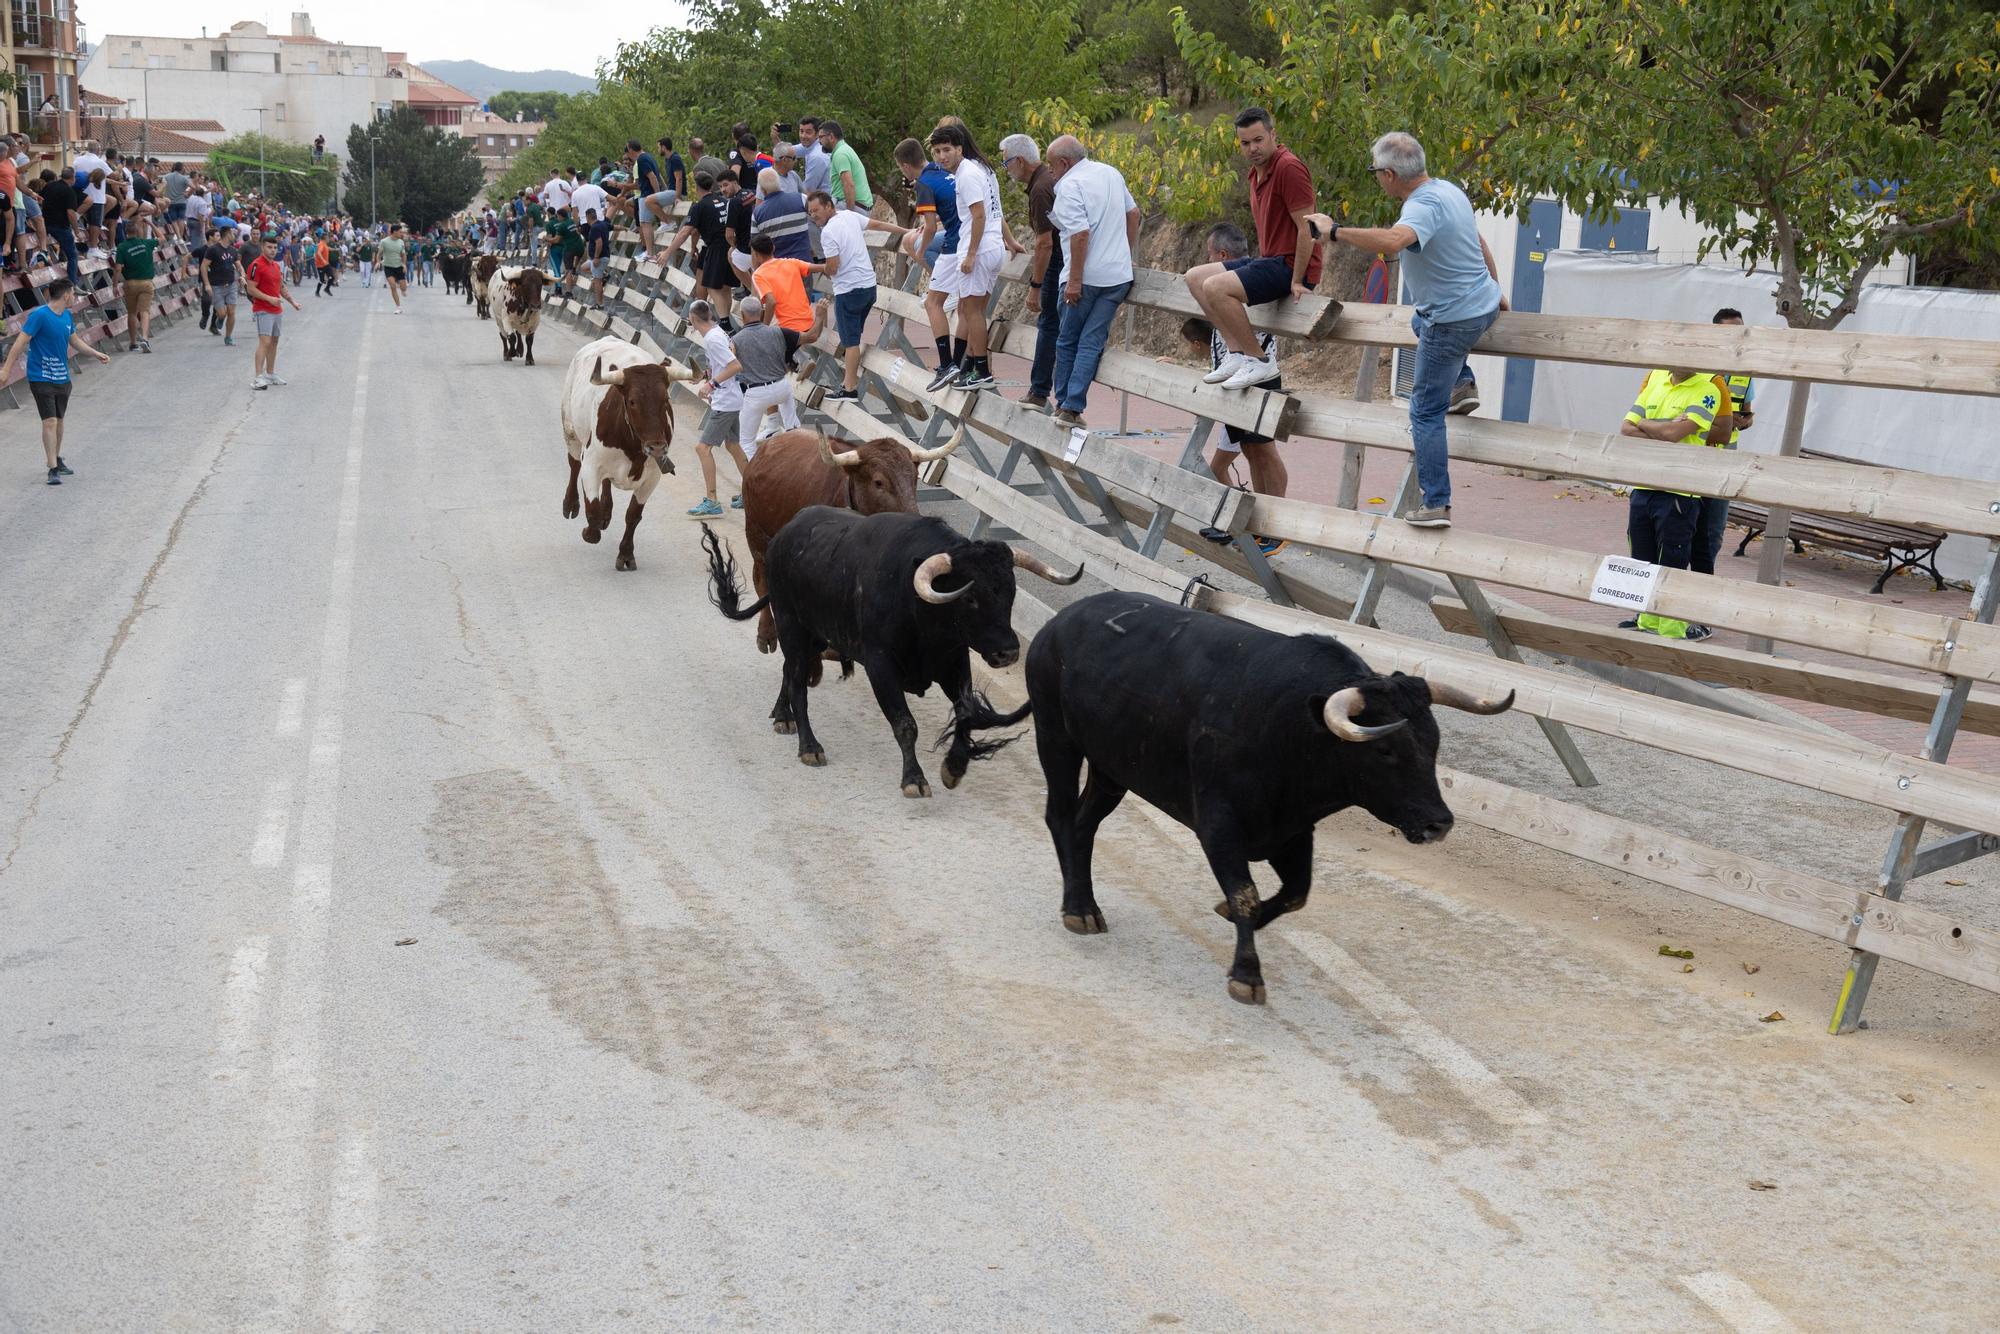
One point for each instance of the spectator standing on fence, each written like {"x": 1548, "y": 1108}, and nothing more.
{"x": 781, "y": 215}
{"x": 195, "y": 211}
{"x": 849, "y": 179}
{"x": 62, "y": 213}
{"x": 814, "y": 161}
{"x": 1287, "y": 262}
{"x": 13, "y": 220}
{"x": 708, "y": 223}
{"x": 1023, "y": 161}
{"x": 787, "y": 167}
{"x": 1675, "y": 406}
{"x": 721, "y": 424}
{"x": 266, "y": 278}
{"x": 844, "y": 240}
{"x": 780, "y": 285}
{"x": 656, "y": 197}
{"x": 133, "y": 264}
{"x": 217, "y": 262}
{"x": 176, "y": 184}
{"x": 48, "y": 335}
{"x": 1456, "y": 290}
{"x": 1099, "y": 222}
{"x": 763, "y": 365}
{"x": 934, "y": 240}
{"x": 596, "y": 255}
{"x": 981, "y": 252}
{"x": 1737, "y": 391}
{"x": 673, "y": 168}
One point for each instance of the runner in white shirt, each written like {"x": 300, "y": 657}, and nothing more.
{"x": 556, "y": 193}
{"x": 721, "y": 425}
{"x": 981, "y": 247}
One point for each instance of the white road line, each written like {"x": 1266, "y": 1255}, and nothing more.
{"x": 350, "y": 1226}
{"x": 269, "y": 849}
{"x": 1737, "y": 1303}
{"x": 242, "y": 1005}
{"x": 285, "y": 1193}
{"x": 1481, "y": 1086}
{"x": 292, "y": 708}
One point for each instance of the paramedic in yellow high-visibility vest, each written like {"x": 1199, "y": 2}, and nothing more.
{"x": 1674, "y": 406}
{"x": 1714, "y": 518}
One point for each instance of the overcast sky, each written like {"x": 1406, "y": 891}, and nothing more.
{"x": 509, "y": 34}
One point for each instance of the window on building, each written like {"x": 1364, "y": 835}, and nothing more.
{"x": 489, "y": 141}
{"x": 531, "y": 141}
{"x": 172, "y": 62}
{"x": 152, "y": 62}
{"x": 513, "y": 141}
{"x": 218, "y": 60}
{"x": 137, "y": 43}
{"x": 281, "y": 111}
{"x": 312, "y": 67}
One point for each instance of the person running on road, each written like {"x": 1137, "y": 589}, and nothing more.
{"x": 48, "y": 335}
{"x": 395, "y": 259}
{"x": 217, "y": 264}
{"x": 721, "y": 425}
{"x": 322, "y": 267}
{"x": 364, "y": 257}
{"x": 133, "y": 262}
{"x": 267, "y": 289}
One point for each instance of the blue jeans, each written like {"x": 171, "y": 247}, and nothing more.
{"x": 1048, "y": 325}
{"x": 1441, "y": 353}
{"x": 1660, "y": 526}
{"x": 65, "y": 239}
{"x": 1708, "y": 530}
{"x": 1086, "y": 328}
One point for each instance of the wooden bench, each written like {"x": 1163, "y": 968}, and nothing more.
{"x": 1899, "y": 546}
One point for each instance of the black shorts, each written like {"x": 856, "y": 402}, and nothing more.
{"x": 1264, "y": 278}
{"x": 716, "y": 274}
{"x": 396, "y": 272}
{"x": 51, "y": 398}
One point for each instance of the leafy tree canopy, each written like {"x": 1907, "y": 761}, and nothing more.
{"x": 288, "y": 175}
{"x": 541, "y": 106}
{"x": 422, "y": 174}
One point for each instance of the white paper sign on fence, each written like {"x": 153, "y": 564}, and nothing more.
{"x": 1624, "y": 582}
{"x": 1077, "y": 436}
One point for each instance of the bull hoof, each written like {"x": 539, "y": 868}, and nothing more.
{"x": 625, "y": 562}
{"x": 592, "y": 536}
{"x": 1222, "y": 911}
{"x": 815, "y": 758}
{"x": 764, "y": 646}
{"x": 1250, "y": 993}
{"x": 571, "y": 509}
{"x": 1085, "y": 924}
{"x": 784, "y": 726}
{"x": 951, "y": 777}
{"x": 916, "y": 789}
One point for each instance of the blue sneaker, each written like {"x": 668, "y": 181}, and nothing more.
{"x": 736, "y": 502}
{"x": 708, "y": 509}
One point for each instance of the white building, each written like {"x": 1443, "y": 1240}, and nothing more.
{"x": 305, "y": 85}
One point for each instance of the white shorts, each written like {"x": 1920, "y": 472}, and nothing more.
{"x": 986, "y": 267}
{"x": 741, "y": 259}
{"x": 945, "y": 275}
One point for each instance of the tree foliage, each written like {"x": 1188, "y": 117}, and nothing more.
{"x": 422, "y": 174}
{"x": 539, "y": 106}
{"x": 592, "y": 124}
{"x": 288, "y": 177}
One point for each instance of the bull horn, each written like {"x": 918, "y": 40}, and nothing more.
{"x": 1451, "y": 697}
{"x": 851, "y": 458}
{"x": 676, "y": 371}
{"x": 931, "y": 455}
{"x": 1344, "y": 706}
{"x": 597, "y": 375}
{"x": 932, "y": 567}
{"x": 1023, "y": 561}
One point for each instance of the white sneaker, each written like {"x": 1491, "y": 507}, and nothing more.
{"x": 1231, "y": 363}
{"x": 261, "y": 382}
{"x": 275, "y": 379}
{"x": 1252, "y": 373}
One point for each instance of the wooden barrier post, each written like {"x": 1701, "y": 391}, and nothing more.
{"x": 1778, "y": 528}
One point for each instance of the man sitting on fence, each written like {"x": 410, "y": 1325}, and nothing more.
{"x": 1674, "y": 406}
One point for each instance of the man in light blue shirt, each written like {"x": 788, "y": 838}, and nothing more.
{"x": 1456, "y": 290}
{"x": 814, "y": 160}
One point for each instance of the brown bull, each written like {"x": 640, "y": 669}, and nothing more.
{"x": 483, "y": 267}
{"x": 795, "y": 469}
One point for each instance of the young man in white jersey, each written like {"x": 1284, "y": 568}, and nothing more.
{"x": 981, "y": 248}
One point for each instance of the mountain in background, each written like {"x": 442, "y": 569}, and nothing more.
{"x": 482, "y": 81}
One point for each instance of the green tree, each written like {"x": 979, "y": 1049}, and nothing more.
{"x": 279, "y": 171}
{"x": 591, "y": 124}
{"x": 540, "y": 106}
{"x": 422, "y": 174}
{"x": 1817, "y": 139}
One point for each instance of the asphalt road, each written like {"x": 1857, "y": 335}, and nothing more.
{"x": 410, "y": 923}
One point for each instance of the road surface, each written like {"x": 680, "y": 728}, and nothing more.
{"x": 410, "y": 923}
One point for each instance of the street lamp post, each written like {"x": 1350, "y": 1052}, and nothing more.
{"x": 374, "y": 219}
{"x": 263, "y": 185}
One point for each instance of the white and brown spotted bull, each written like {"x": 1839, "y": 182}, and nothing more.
{"x": 515, "y": 295}
{"x": 618, "y": 421}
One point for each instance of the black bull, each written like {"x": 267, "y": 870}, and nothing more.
{"x": 903, "y": 595}
{"x": 1247, "y": 737}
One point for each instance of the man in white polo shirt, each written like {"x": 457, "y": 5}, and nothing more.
{"x": 1099, "y": 222}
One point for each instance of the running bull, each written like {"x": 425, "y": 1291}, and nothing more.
{"x": 795, "y": 469}
{"x": 1247, "y": 737}
{"x": 904, "y": 595}
{"x": 618, "y": 421}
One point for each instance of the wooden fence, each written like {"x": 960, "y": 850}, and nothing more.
{"x": 1085, "y": 496}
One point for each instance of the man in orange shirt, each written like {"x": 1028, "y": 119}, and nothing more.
{"x": 781, "y": 283}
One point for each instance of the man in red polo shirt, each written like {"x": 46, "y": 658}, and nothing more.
{"x": 1286, "y": 263}
{"x": 267, "y": 288}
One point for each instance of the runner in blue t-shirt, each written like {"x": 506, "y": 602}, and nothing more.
{"x": 47, "y": 336}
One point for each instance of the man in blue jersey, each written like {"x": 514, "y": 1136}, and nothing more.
{"x": 936, "y": 238}
{"x": 48, "y": 336}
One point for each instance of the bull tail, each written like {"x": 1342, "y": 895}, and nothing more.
{"x": 976, "y": 712}
{"x": 725, "y": 589}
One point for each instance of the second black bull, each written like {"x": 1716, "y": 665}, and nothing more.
{"x": 906, "y": 597}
